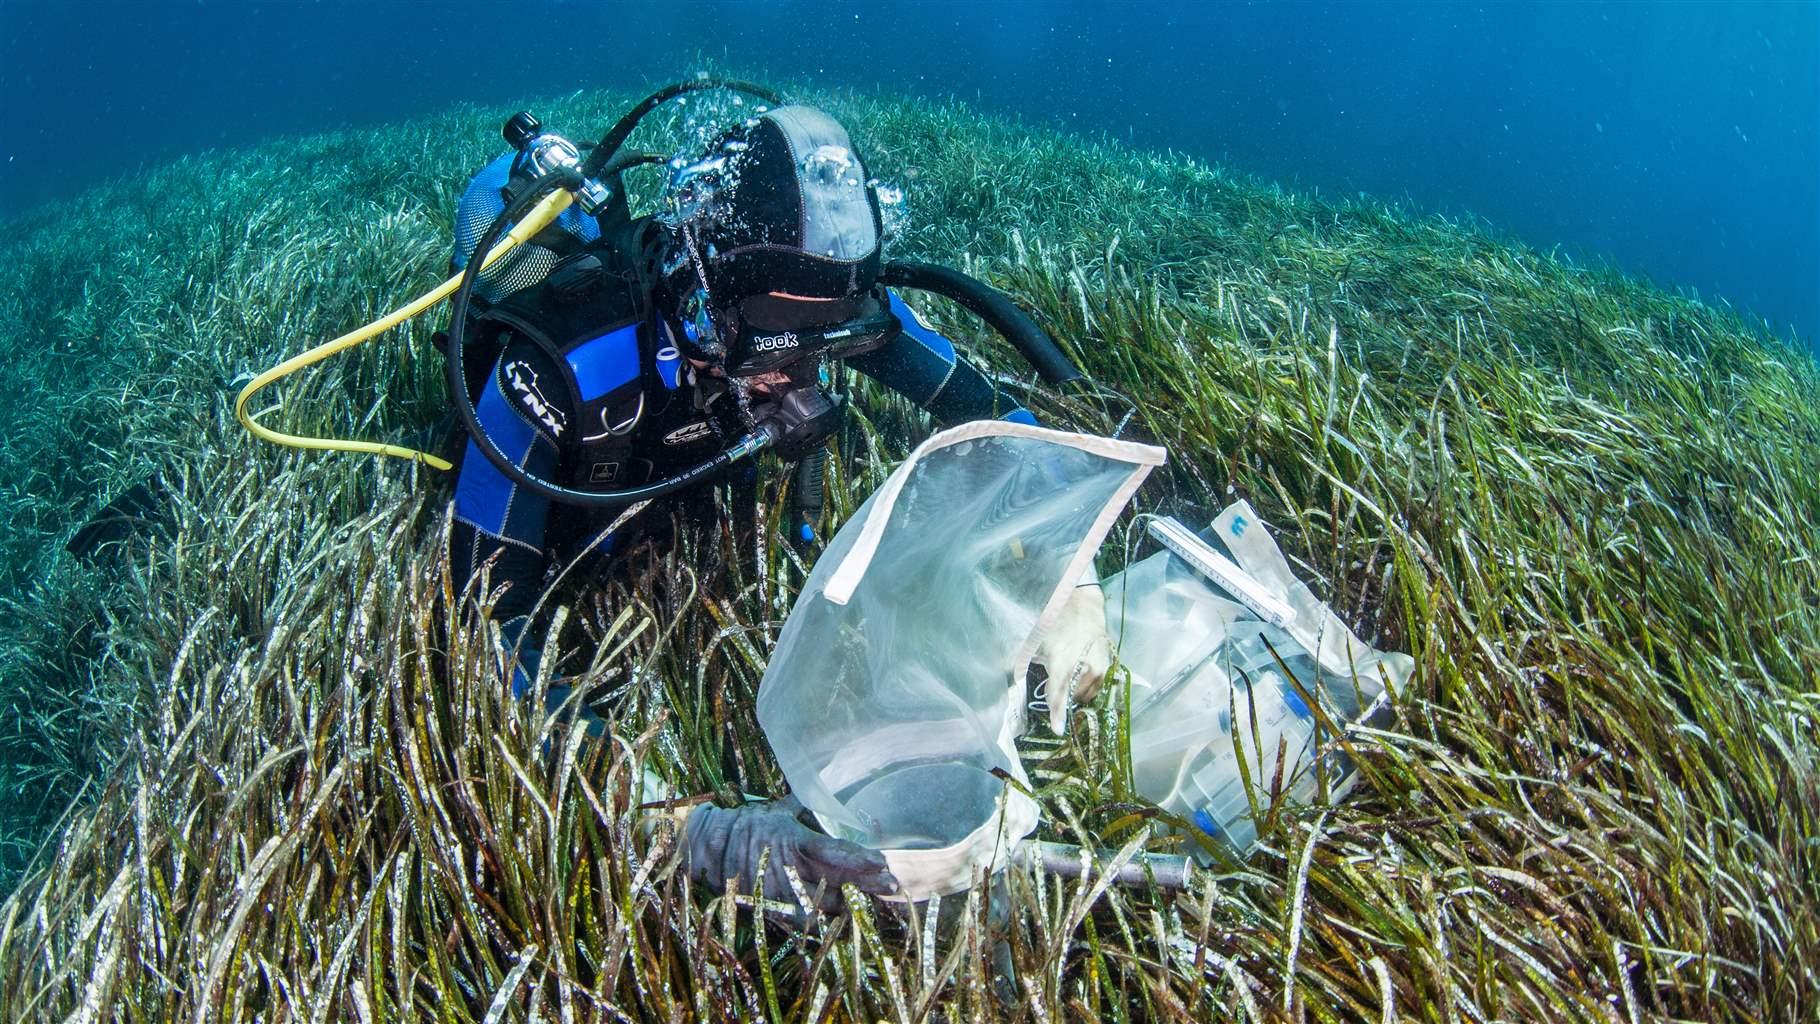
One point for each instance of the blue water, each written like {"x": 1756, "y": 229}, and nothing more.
{"x": 1680, "y": 141}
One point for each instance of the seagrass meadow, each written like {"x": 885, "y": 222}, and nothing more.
{"x": 259, "y": 765}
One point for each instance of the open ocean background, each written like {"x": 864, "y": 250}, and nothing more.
{"x": 1677, "y": 140}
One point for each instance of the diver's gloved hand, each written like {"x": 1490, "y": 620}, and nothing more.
{"x": 1075, "y": 650}
{"x": 722, "y": 845}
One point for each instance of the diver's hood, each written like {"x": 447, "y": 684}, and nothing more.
{"x": 781, "y": 204}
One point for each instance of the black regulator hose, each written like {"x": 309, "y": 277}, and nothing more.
{"x": 622, "y": 129}
{"x": 561, "y": 177}
{"x": 992, "y": 306}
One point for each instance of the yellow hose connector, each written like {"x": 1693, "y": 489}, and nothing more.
{"x": 541, "y": 215}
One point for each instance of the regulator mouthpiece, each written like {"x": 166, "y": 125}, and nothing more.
{"x": 802, "y": 421}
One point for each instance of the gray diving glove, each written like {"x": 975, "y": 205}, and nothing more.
{"x": 723, "y": 844}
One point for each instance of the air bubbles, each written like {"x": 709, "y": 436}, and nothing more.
{"x": 689, "y": 172}
{"x": 695, "y": 187}
{"x": 893, "y": 209}
{"x": 828, "y": 164}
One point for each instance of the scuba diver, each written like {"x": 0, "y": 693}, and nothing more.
{"x": 632, "y": 350}
{"x": 598, "y": 360}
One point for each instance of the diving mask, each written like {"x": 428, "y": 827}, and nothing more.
{"x": 770, "y": 332}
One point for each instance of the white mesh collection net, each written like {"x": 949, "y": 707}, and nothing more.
{"x": 896, "y": 692}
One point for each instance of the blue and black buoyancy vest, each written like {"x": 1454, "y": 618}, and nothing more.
{"x": 577, "y": 352}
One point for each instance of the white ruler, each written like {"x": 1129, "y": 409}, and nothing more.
{"x": 1222, "y": 571}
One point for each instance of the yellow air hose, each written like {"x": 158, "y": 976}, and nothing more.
{"x": 542, "y": 214}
